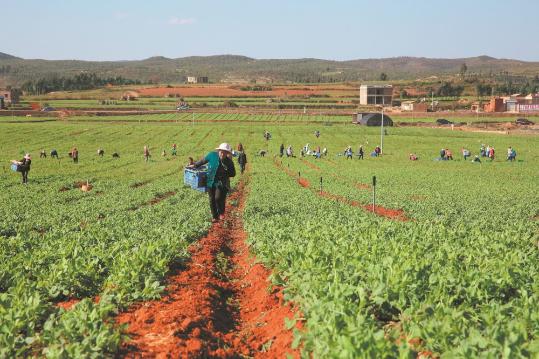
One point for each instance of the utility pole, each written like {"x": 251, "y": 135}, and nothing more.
{"x": 382, "y": 127}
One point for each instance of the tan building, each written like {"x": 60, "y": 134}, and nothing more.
{"x": 376, "y": 95}
{"x": 414, "y": 106}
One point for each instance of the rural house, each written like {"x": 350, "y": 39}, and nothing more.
{"x": 414, "y": 106}
{"x": 376, "y": 95}
{"x": 197, "y": 80}
{"x": 9, "y": 97}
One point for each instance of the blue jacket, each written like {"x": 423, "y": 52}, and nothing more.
{"x": 212, "y": 159}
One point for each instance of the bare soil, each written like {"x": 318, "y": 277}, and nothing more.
{"x": 221, "y": 305}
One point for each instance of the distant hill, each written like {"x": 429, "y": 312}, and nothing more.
{"x": 233, "y": 68}
{"x": 7, "y": 56}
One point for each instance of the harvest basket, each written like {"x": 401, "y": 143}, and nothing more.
{"x": 14, "y": 167}
{"x": 195, "y": 178}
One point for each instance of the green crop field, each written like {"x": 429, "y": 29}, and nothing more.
{"x": 456, "y": 274}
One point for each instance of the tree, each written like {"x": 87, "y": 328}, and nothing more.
{"x": 383, "y": 76}
{"x": 463, "y": 69}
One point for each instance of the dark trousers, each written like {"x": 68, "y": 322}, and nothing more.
{"x": 217, "y": 201}
{"x": 24, "y": 176}
{"x": 242, "y": 168}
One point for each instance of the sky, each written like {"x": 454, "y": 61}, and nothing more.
{"x": 333, "y": 29}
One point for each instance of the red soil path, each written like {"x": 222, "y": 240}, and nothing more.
{"x": 221, "y": 305}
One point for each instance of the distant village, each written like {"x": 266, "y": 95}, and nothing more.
{"x": 382, "y": 95}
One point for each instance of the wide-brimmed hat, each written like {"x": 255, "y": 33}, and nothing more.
{"x": 224, "y": 147}
{"x": 27, "y": 156}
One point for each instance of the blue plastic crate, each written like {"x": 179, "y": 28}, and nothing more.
{"x": 195, "y": 178}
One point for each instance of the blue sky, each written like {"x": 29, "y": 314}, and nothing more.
{"x": 332, "y": 29}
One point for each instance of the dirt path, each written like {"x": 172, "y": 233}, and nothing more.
{"x": 220, "y": 304}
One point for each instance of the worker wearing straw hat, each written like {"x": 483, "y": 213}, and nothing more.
{"x": 220, "y": 169}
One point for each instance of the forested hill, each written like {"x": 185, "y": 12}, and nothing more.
{"x": 7, "y": 56}
{"x": 15, "y": 71}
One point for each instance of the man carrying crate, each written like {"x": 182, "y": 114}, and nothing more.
{"x": 220, "y": 169}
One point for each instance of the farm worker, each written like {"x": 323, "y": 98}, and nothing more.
{"x": 191, "y": 162}
{"x": 448, "y": 155}
{"x": 511, "y": 154}
{"x": 164, "y": 153}
{"x": 487, "y": 151}
{"x": 242, "y": 159}
{"x": 348, "y": 152}
{"x": 491, "y": 153}
{"x": 75, "y": 154}
{"x": 325, "y": 152}
{"x": 289, "y": 152}
{"x": 413, "y": 157}
{"x": 317, "y": 133}
{"x": 378, "y": 151}
{"x": 146, "y": 152}
{"x": 100, "y": 152}
{"x": 42, "y": 154}
{"x": 281, "y": 150}
{"x": 476, "y": 159}
{"x": 220, "y": 169}
{"x": 465, "y": 153}
{"x": 306, "y": 148}
{"x": 54, "y": 154}
{"x": 360, "y": 152}
{"x": 174, "y": 149}
{"x": 442, "y": 154}
{"x": 23, "y": 166}
{"x": 482, "y": 151}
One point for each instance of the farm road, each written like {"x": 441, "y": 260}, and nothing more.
{"x": 218, "y": 305}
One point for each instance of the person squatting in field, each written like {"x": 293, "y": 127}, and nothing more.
{"x": 511, "y": 154}
{"x": 220, "y": 169}
{"x": 23, "y": 166}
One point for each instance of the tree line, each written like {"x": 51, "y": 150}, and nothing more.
{"x": 83, "y": 81}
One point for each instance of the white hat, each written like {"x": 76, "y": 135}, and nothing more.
{"x": 225, "y": 147}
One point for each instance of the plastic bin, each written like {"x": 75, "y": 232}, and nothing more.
{"x": 14, "y": 167}
{"x": 195, "y": 178}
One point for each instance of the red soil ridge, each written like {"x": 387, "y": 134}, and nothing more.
{"x": 395, "y": 214}
{"x": 311, "y": 165}
{"x": 218, "y": 306}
